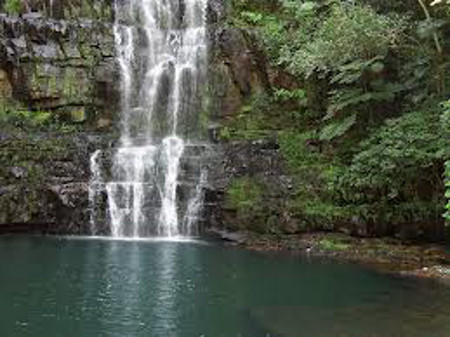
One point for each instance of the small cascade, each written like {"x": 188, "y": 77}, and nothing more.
{"x": 173, "y": 148}
{"x": 155, "y": 187}
{"x": 194, "y": 207}
{"x": 95, "y": 186}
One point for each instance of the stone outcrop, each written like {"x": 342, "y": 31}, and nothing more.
{"x": 66, "y": 67}
{"x": 44, "y": 181}
{"x": 260, "y": 163}
{"x": 237, "y": 71}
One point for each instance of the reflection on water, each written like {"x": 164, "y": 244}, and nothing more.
{"x": 145, "y": 299}
{"x": 178, "y": 239}
{"x": 95, "y": 288}
{"x": 165, "y": 308}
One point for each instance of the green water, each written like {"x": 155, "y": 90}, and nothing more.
{"x": 57, "y": 287}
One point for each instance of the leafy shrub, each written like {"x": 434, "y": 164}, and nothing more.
{"x": 398, "y": 170}
{"x": 251, "y": 121}
{"x": 349, "y": 33}
{"x": 353, "y": 74}
{"x": 244, "y": 194}
{"x": 294, "y": 147}
{"x": 400, "y": 148}
{"x": 333, "y": 244}
{"x": 394, "y": 177}
{"x": 13, "y": 6}
{"x": 286, "y": 95}
{"x": 25, "y": 118}
{"x": 13, "y": 115}
{"x": 337, "y": 128}
{"x": 312, "y": 172}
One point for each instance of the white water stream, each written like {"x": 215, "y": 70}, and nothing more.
{"x": 161, "y": 51}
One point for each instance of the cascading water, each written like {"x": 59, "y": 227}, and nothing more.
{"x": 94, "y": 186}
{"x": 161, "y": 50}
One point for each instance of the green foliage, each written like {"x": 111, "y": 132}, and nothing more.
{"x": 351, "y": 48}
{"x": 445, "y": 118}
{"x": 360, "y": 87}
{"x": 350, "y": 32}
{"x": 294, "y": 147}
{"x": 252, "y": 17}
{"x": 394, "y": 177}
{"x": 397, "y": 170}
{"x": 270, "y": 28}
{"x": 346, "y": 44}
{"x": 337, "y": 128}
{"x": 447, "y": 191}
{"x": 312, "y": 171}
{"x": 14, "y": 115}
{"x": 25, "y": 118}
{"x": 321, "y": 212}
{"x": 357, "y": 117}
{"x": 301, "y": 10}
{"x": 245, "y": 126}
{"x": 284, "y": 95}
{"x": 238, "y": 6}
{"x": 244, "y": 195}
{"x": 333, "y": 244}
{"x": 13, "y": 6}
{"x": 225, "y": 133}
{"x": 402, "y": 147}
{"x": 251, "y": 122}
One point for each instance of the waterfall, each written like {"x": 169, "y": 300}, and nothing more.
{"x": 156, "y": 174}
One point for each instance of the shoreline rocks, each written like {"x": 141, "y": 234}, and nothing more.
{"x": 387, "y": 255}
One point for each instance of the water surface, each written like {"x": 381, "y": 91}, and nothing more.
{"x": 60, "y": 287}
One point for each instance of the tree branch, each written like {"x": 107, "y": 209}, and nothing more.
{"x": 428, "y": 17}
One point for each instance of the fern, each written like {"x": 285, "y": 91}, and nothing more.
{"x": 352, "y": 97}
{"x": 283, "y": 95}
{"x": 352, "y": 72}
{"x": 337, "y": 128}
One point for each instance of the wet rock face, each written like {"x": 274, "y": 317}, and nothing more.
{"x": 216, "y": 13}
{"x": 237, "y": 70}
{"x": 44, "y": 180}
{"x": 258, "y": 163}
{"x": 65, "y": 67}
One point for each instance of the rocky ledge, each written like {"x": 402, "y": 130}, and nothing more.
{"x": 384, "y": 254}
{"x": 44, "y": 181}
